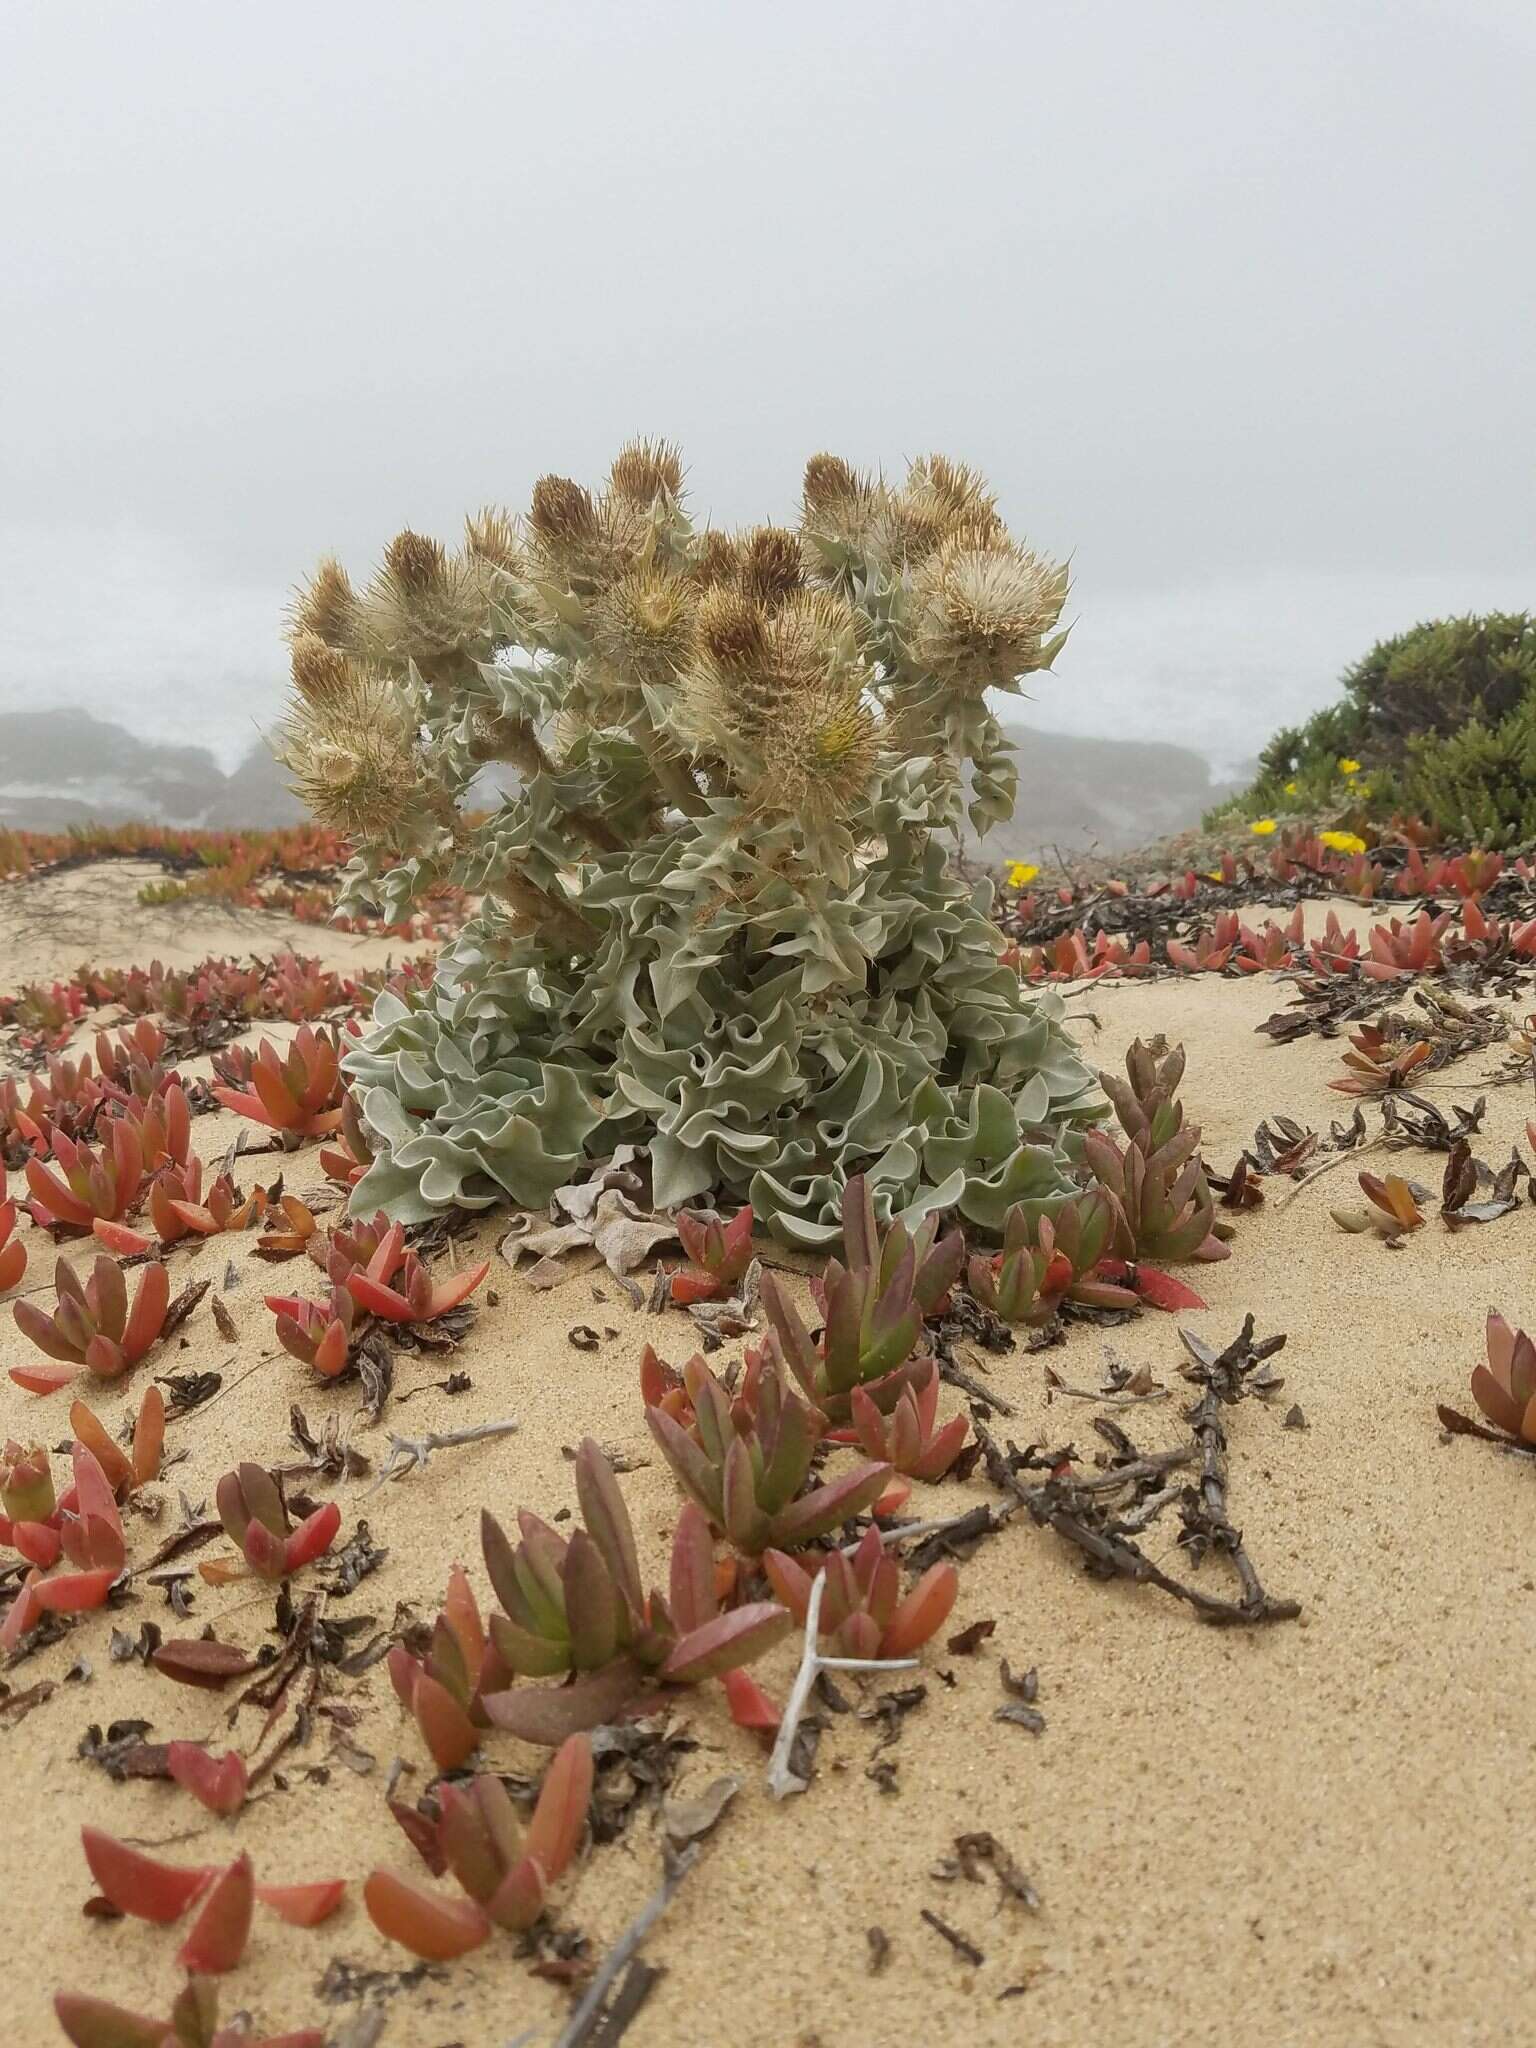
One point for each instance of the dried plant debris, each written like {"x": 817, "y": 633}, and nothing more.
{"x": 1101, "y": 1514}
{"x": 637, "y": 1762}
{"x": 981, "y": 1854}
{"x": 1473, "y": 1193}
{"x": 122, "y": 1751}
{"x": 1019, "y": 1708}
{"x": 1409, "y": 1119}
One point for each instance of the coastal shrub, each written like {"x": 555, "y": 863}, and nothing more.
{"x": 716, "y": 919}
{"x": 1429, "y": 685}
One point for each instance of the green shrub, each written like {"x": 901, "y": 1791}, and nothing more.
{"x": 1480, "y": 783}
{"x": 717, "y": 917}
{"x": 1423, "y": 686}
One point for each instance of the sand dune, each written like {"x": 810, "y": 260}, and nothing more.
{"x": 1311, "y": 1833}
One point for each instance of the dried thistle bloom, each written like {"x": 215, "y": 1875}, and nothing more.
{"x": 490, "y": 536}
{"x": 830, "y": 486}
{"x": 770, "y": 565}
{"x": 981, "y": 611}
{"x": 716, "y": 559}
{"x": 844, "y": 518}
{"x": 426, "y": 610}
{"x": 583, "y": 543}
{"x": 644, "y": 471}
{"x": 320, "y": 672}
{"x": 643, "y": 626}
{"x": 351, "y": 757}
{"x": 955, "y": 494}
{"x": 326, "y": 606}
{"x": 819, "y": 759}
{"x": 760, "y": 669}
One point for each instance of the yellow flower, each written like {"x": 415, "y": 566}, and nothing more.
{"x": 1021, "y": 874}
{"x": 1213, "y": 874}
{"x": 1362, "y": 789}
{"x": 1263, "y": 826}
{"x": 1350, "y": 767}
{"x": 1290, "y": 789}
{"x": 1343, "y": 842}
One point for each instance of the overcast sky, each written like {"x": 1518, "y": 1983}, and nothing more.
{"x": 1233, "y": 301}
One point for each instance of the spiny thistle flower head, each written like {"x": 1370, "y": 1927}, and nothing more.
{"x": 769, "y": 570}
{"x": 716, "y": 559}
{"x": 758, "y": 668}
{"x": 320, "y": 672}
{"x": 643, "y": 626}
{"x": 819, "y": 759}
{"x": 490, "y": 536}
{"x": 326, "y": 606}
{"x": 582, "y": 542}
{"x": 426, "y": 609}
{"x": 351, "y": 758}
{"x": 980, "y": 611}
{"x": 957, "y": 494}
{"x": 644, "y": 471}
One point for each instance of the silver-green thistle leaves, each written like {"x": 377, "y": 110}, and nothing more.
{"x": 716, "y": 918}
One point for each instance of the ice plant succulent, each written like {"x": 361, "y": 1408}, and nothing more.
{"x": 81, "y": 1184}
{"x": 409, "y": 1294}
{"x": 178, "y": 1207}
{"x": 255, "y": 1517}
{"x": 1047, "y": 1259}
{"x": 298, "y": 1092}
{"x": 863, "y": 1613}
{"x": 90, "y": 2022}
{"x": 1505, "y": 1387}
{"x": 92, "y": 1324}
{"x": 13, "y": 1253}
{"x": 745, "y": 1464}
{"x": 720, "y": 1253}
{"x": 505, "y": 1872}
{"x": 576, "y": 1606}
{"x": 1156, "y": 1178}
{"x": 874, "y": 1308}
{"x": 136, "y": 1467}
{"x": 441, "y": 1691}
{"x": 319, "y": 1333}
{"x": 909, "y": 1439}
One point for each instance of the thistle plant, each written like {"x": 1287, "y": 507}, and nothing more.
{"x": 716, "y": 918}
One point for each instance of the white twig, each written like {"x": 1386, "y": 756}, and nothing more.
{"x": 781, "y": 1779}
{"x": 675, "y": 1869}
{"x": 410, "y": 1453}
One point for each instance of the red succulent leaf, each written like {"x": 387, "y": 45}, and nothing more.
{"x": 138, "y": 1884}
{"x": 750, "y": 1706}
{"x": 554, "y": 1833}
{"x": 436, "y": 1928}
{"x": 303, "y": 1905}
{"x": 223, "y": 1924}
{"x": 94, "y": 2023}
{"x": 216, "y": 1782}
{"x": 738, "y": 1637}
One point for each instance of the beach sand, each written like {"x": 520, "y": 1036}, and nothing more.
{"x": 1309, "y": 1833}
